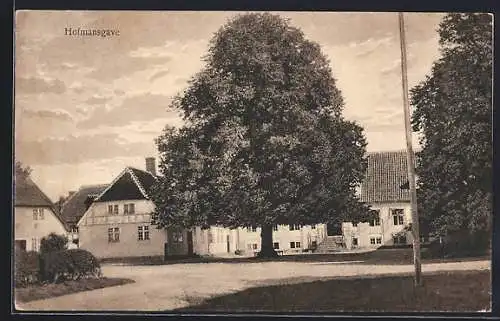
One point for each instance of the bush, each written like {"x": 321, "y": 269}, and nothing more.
{"x": 460, "y": 244}
{"x": 26, "y": 268}
{"x": 69, "y": 264}
{"x": 53, "y": 243}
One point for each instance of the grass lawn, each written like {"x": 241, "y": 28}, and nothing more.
{"x": 446, "y": 291}
{"x": 381, "y": 256}
{"x": 38, "y": 292}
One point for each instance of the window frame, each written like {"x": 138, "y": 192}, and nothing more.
{"x": 376, "y": 220}
{"x": 113, "y": 234}
{"x": 276, "y": 245}
{"x": 398, "y": 216}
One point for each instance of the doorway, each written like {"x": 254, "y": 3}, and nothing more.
{"x": 334, "y": 229}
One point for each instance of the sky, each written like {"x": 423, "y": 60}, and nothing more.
{"x": 86, "y": 107}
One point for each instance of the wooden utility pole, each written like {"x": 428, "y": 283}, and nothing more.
{"x": 410, "y": 157}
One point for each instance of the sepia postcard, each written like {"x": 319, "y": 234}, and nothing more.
{"x": 252, "y": 162}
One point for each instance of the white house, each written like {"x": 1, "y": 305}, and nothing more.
{"x": 383, "y": 189}
{"x": 34, "y": 215}
{"x": 117, "y": 223}
{"x": 287, "y": 239}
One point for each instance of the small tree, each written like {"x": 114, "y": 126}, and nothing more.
{"x": 53, "y": 243}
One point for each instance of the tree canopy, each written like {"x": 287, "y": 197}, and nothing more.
{"x": 453, "y": 110}
{"x": 265, "y": 142}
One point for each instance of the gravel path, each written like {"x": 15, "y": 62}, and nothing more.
{"x": 165, "y": 287}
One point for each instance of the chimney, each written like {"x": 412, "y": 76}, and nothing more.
{"x": 151, "y": 165}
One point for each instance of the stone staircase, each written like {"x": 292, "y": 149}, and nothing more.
{"x": 331, "y": 244}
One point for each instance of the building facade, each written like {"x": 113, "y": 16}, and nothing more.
{"x": 384, "y": 190}
{"x": 34, "y": 216}
{"x": 118, "y": 222}
{"x": 287, "y": 239}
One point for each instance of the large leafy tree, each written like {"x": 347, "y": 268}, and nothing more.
{"x": 453, "y": 109}
{"x": 264, "y": 141}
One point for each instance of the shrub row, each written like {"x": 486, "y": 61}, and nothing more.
{"x": 32, "y": 267}
{"x": 26, "y": 268}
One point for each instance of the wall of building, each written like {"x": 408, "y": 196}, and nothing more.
{"x": 94, "y": 238}
{"x": 284, "y": 236}
{"x": 31, "y": 230}
{"x": 364, "y": 232}
{"x": 93, "y": 231}
{"x": 249, "y": 242}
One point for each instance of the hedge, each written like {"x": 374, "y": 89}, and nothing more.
{"x": 69, "y": 264}
{"x": 32, "y": 267}
{"x": 26, "y": 268}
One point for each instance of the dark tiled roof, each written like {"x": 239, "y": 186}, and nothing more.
{"x": 131, "y": 184}
{"x": 76, "y": 205}
{"x": 386, "y": 173}
{"x": 145, "y": 178}
{"x": 28, "y": 194}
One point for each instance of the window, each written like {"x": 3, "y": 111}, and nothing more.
{"x": 354, "y": 241}
{"x": 275, "y": 227}
{"x": 398, "y": 216}
{"x": 295, "y": 245}
{"x": 354, "y": 224}
{"x": 34, "y": 244}
{"x": 252, "y": 229}
{"x": 379, "y": 240}
{"x": 376, "y": 220}
{"x": 74, "y": 229}
{"x": 294, "y": 227}
{"x": 314, "y": 244}
{"x": 129, "y": 208}
{"x": 372, "y": 240}
{"x": 110, "y": 209}
{"x": 313, "y": 226}
{"x": 400, "y": 239}
{"x": 115, "y": 209}
{"x": 254, "y": 246}
{"x": 210, "y": 237}
{"x": 276, "y": 245}
{"x": 113, "y": 234}
{"x": 143, "y": 233}
{"x": 38, "y": 214}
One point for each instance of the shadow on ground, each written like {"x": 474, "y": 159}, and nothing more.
{"x": 446, "y": 291}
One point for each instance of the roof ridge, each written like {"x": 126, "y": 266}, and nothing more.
{"x": 137, "y": 182}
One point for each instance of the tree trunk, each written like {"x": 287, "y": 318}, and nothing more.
{"x": 266, "y": 237}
